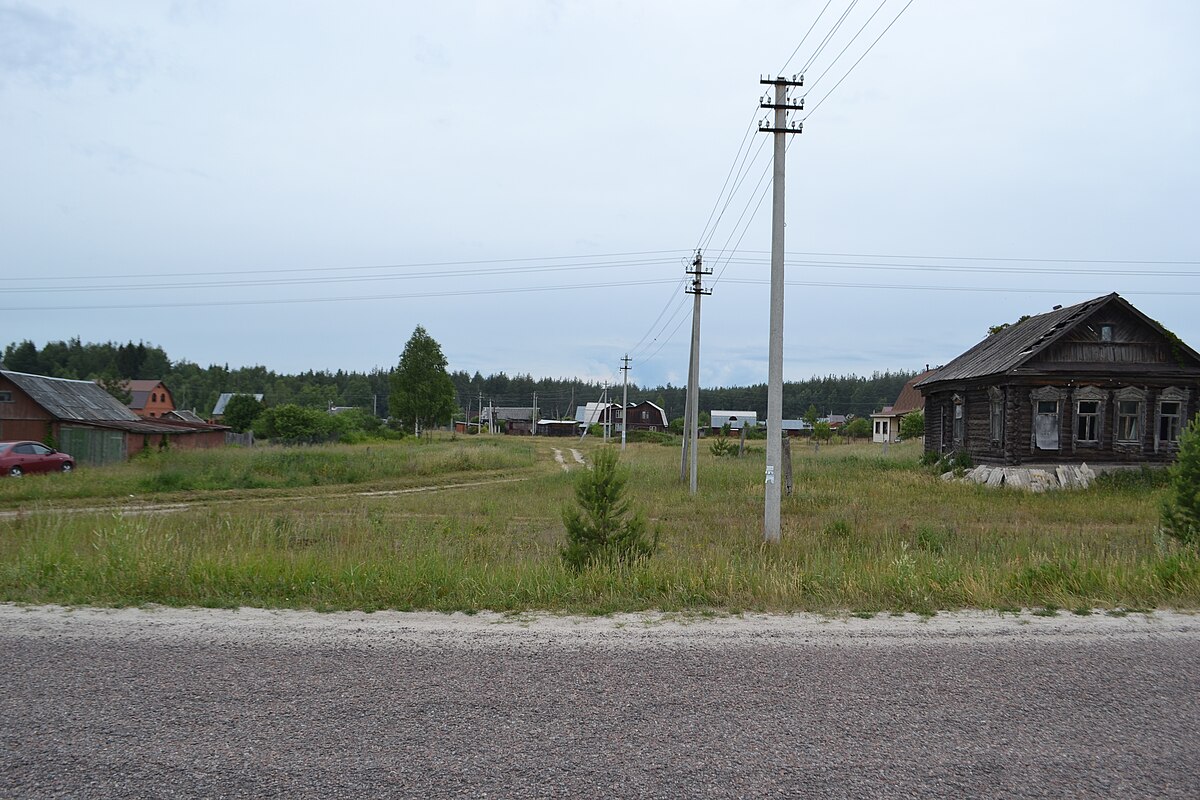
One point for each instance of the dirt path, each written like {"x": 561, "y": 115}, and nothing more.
{"x": 144, "y": 509}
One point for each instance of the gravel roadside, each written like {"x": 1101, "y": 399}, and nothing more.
{"x": 253, "y": 703}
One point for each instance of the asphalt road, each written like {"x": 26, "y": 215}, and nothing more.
{"x": 261, "y": 704}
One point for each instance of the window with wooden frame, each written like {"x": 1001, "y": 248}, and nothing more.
{"x": 6, "y": 397}
{"x": 1089, "y": 415}
{"x": 996, "y": 405}
{"x": 1172, "y": 408}
{"x": 960, "y": 421}
{"x": 1170, "y": 417}
{"x": 1131, "y": 404}
{"x": 1087, "y": 421}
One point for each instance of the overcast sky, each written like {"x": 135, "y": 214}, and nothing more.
{"x": 168, "y": 171}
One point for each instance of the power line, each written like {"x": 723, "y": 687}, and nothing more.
{"x": 299, "y": 300}
{"x": 813, "y": 110}
{"x": 838, "y": 57}
{"x": 825, "y": 41}
{"x": 803, "y": 39}
{"x": 335, "y": 269}
{"x": 342, "y": 278}
{"x": 940, "y": 288}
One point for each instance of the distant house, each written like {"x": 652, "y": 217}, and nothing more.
{"x": 1098, "y": 382}
{"x": 88, "y": 422}
{"x": 736, "y": 420}
{"x": 557, "y": 427}
{"x": 516, "y": 420}
{"x": 149, "y": 398}
{"x": 597, "y": 413}
{"x": 885, "y": 424}
{"x": 218, "y": 411}
{"x": 643, "y": 416}
{"x": 183, "y": 415}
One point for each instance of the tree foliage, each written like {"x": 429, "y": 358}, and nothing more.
{"x": 912, "y": 425}
{"x": 241, "y": 411}
{"x": 859, "y": 428}
{"x": 293, "y": 423}
{"x": 422, "y": 392}
{"x": 603, "y": 529}
{"x": 1181, "y": 508}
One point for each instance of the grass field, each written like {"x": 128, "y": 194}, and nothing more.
{"x": 340, "y": 527}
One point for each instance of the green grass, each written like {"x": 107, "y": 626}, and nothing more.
{"x": 861, "y": 532}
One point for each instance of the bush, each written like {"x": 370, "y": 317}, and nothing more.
{"x": 292, "y": 423}
{"x": 1181, "y": 508}
{"x": 676, "y": 426}
{"x": 603, "y": 530}
{"x": 858, "y": 428}
{"x": 654, "y": 437}
{"x": 912, "y": 425}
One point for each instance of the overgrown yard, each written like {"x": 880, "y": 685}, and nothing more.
{"x": 862, "y": 531}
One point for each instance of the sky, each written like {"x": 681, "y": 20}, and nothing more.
{"x": 300, "y": 184}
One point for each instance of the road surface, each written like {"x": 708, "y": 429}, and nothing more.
{"x": 196, "y": 703}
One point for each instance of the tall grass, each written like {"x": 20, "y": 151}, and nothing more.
{"x": 190, "y": 471}
{"x": 861, "y": 531}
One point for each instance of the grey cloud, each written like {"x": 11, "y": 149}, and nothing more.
{"x": 54, "y": 51}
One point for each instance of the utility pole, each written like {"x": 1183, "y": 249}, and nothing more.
{"x": 697, "y": 290}
{"x": 625, "y": 401}
{"x": 533, "y": 426}
{"x": 479, "y": 425}
{"x": 781, "y": 129}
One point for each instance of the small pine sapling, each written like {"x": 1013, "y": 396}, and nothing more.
{"x": 1181, "y": 508}
{"x": 603, "y": 529}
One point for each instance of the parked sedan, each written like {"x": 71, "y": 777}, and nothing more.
{"x": 17, "y": 458}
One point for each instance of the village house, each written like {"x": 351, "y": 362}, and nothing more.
{"x": 1098, "y": 382}
{"x": 88, "y": 422}
{"x": 885, "y": 424}
{"x": 149, "y": 398}
{"x": 218, "y": 412}
{"x": 643, "y": 416}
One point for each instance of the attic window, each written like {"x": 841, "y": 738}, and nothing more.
{"x": 6, "y": 397}
{"x": 1106, "y": 333}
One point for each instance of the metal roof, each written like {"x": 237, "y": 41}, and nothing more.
{"x": 224, "y": 399}
{"x": 1016, "y": 344}
{"x": 66, "y": 400}
{"x": 910, "y": 398}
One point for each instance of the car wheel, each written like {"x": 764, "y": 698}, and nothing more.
{"x": 16, "y": 472}
{"x": 67, "y": 466}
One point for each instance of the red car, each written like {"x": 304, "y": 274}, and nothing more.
{"x": 17, "y": 458}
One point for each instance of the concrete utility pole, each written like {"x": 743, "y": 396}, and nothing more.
{"x": 625, "y": 400}
{"x": 781, "y": 129}
{"x": 533, "y": 426}
{"x": 697, "y": 290}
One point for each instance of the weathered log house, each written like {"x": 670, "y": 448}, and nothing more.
{"x": 1098, "y": 382}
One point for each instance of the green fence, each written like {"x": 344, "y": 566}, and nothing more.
{"x": 92, "y": 445}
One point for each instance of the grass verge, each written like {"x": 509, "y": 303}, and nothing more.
{"x": 862, "y": 531}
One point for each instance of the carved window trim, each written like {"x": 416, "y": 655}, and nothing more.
{"x": 1168, "y": 426}
{"x": 1087, "y": 427}
{"x": 958, "y": 419}
{"x": 1045, "y": 394}
{"x": 996, "y": 413}
{"x": 1128, "y": 430}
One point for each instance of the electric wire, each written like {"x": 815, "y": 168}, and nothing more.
{"x": 842, "y": 52}
{"x": 813, "y": 110}
{"x": 825, "y": 41}
{"x": 804, "y": 38}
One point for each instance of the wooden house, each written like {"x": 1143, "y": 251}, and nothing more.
{"x": 1098, "y": 382}
{"x": 88, "y": 422}
{"x": 643, "y": 416}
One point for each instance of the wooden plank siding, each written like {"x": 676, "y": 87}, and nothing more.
{"x": 21, "y": 417}
{"x": 1018, "y": 443}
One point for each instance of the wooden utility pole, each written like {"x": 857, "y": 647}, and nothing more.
{"x": 625, "y": 400}
{"x": 780, "y": 128}
{"x": 533, "y": 426}
{"x": 697, "y": 290}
